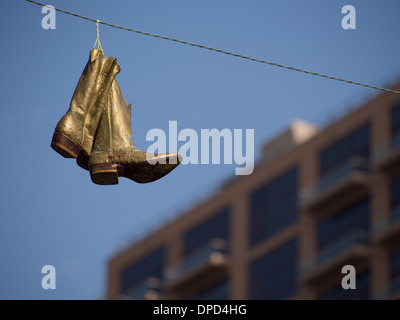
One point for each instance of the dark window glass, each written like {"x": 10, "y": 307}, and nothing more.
{"x": 149, "y": 266}
{"x": 215, "y": 227}
{"x": 394, "y": 273}
{"x": 340, "y": 224}
{"x": 355, "y": 144}
{"x": 395, "y": 265}
{"x": 274, "y": 206}
{"x": 273, "y": 276}
{"x": 360, "y": 293}
{"x": 395, "y": 120}
{"x": 218, "y": 291}
{"x": 395, "y": 192}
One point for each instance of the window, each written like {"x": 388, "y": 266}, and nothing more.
{"x": 395, "y": 126}
{"x": 215, "y": 227}
{"x": 149, "y": 266}
{"x": 273, "y": 276}
{"x": 360, "y": 293}
{"x": 395, "y": 192}
{"x": 395, "y": 272}
{"x": 218, "y": 291}
{"x": 395, "y": 265}
{"x": 335, "y": 227}
{"x": 355, "y": 144}
{"x": 395, "y": 123}
{"x": 274, "y": 206}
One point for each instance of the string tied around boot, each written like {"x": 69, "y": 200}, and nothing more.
{"x": 98, "y": 43}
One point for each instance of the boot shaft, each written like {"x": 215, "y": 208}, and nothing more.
{"x": 80, "y": 122}
{"x": 115, "y": 128}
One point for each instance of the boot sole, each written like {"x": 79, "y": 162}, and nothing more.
{"x": 104, "y": 173}
{"x": 64, "y": 146}
{"x": 140, "y": 172}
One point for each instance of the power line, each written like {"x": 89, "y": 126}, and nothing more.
{"x": 222, "y": 51}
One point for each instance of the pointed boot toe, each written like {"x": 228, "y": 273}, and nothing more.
{"x": 152, "y": 169}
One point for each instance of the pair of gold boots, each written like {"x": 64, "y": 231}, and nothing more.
{"x": 96, "y": 130}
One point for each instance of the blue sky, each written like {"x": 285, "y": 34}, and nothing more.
{"x": 51, "y": 212}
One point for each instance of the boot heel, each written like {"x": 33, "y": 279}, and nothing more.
{"x": 64, "y": 146}
{"x": 104, "y": 173}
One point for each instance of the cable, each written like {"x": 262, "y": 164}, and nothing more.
{"x": 222, "y": 51}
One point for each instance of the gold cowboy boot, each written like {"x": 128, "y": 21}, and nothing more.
{"x": 114, "y": 154}
{"x": 74, "y": 134}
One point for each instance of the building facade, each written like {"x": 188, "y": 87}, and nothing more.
{"x": 318, "y": 201}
